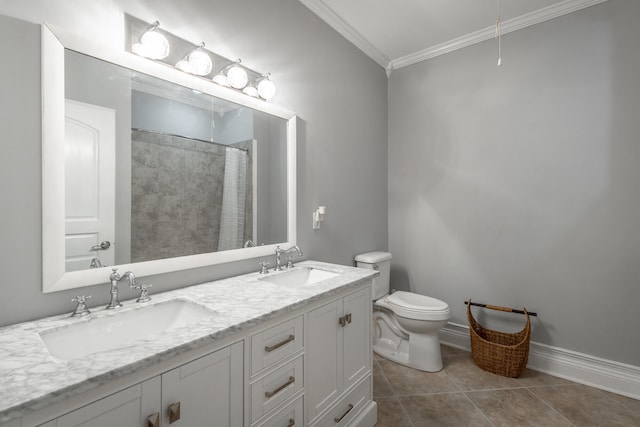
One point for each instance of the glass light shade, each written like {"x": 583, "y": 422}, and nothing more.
{"x": 251, "y": 91}
{"x": 185, "y": 66}
{"x": 238, "y": 78}
{"x": 152, "y": 45}
{"x": 266, "y": 89}
{"x": 201, "y": 63}
{"x": 221, "y": 79}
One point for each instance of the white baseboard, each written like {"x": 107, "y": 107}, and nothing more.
{"x": 582, "y": 368}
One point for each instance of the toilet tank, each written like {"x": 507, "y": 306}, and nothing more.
{"x": 380, "y": 261}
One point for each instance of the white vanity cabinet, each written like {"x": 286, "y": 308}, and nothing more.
{"x": 276, "y": 369}
{"x": 207, "y": 391}
{"x": 131, "y": 407}
{"x": 310, "y": 366}
{"x": 204, "y": 392}
{"x": 339, "y": 359}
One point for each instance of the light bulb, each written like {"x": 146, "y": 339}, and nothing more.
{"x": 201, "y": 63}
{"x": 237, "y": 77}
{"x": 251, "y": 91}
{"x": 152, "y": 45}
{"x": 185, "y": 66}
{"x": 266, "y": 89}
{"x": 221, "y": 79}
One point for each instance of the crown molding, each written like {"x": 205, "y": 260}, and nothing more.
{"x": 511, "y": 25}
{"x": 347, "y": 31}
{"x": 523, "y": 21}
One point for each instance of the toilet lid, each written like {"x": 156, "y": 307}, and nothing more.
{"x": 416, "y": 302}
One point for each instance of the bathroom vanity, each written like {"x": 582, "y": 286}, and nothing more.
{"x": 289, "y": 348}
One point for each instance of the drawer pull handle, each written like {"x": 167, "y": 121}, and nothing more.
{"x": 174, "y": 412}
{"x": 348, "y": 318}
{"x": 287, "y": 340}
{"x": 292, "y": 422}
{"x": 342, "y": 321}
{"x": 279, "y": 389}
{"x": 338, "y": 419}
{"x": 153, "y": 420}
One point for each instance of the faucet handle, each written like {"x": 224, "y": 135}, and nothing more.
{"x": 264, "y": 267}
{"x": 144, "y": 292}
{"x": 81, "y": 308}
{"x": 289, "y": 262}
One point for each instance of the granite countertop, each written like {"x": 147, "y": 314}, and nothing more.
{"x": 32, "y": 379}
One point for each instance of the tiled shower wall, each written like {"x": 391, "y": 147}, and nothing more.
{"x": 176, "y": 186}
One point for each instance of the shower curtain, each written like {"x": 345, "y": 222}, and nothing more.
{"x": 233, "y": 200}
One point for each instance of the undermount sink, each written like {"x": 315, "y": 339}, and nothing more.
{"x": 301, "y": 277}
{"x": 121, "y": 328}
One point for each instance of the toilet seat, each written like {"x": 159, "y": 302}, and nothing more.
{"x": 415, "y": 306}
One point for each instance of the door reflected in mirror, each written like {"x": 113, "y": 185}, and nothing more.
{"x": 155, "y": 170}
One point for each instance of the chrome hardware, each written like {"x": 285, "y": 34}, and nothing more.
{"x": 292, "y": 422}
{"x": 289, "y": 263}
{"x": 153, "y": 420}
{"x": 101, "y": 247}
{"x": 81, "y": 309}
{"x": 279, "y": 252}
{"x": 96, "y": 263}
{"x": 114, "y": 277}
{"x": 144, "y": 292}
{"x": 269, "y": 349}
{"x": 376, "y": 267}
{"x": 270, "y": 394}
{"x": 249, "y": 244}
{"x": 264, "y": 267}
{"x": 338, "y": 419}
{"x": 174, "y": 412}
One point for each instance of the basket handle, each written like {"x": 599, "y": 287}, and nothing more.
{"x": 500, "y": 308}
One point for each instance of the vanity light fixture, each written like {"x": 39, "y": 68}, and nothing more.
{"x": 318, "y": 216}
{"x": 199, "y": 61}
{"x": 266, "y": 88}
{"x": 152, "y": 43}
{"x": 196, "y": 62}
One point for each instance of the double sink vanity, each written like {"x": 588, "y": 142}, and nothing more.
{"x": 270, "y": 348}
{"x": 278, "y": 349}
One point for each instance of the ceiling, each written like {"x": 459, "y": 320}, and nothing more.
{"x": 403, "y": 32}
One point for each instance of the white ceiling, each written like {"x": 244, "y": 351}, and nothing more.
{"x": 397, "y": 33}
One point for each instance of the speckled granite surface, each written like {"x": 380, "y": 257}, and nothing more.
{"x": 31, "y": 379}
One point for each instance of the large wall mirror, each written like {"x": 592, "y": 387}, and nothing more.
{"x": 149, "y": 169}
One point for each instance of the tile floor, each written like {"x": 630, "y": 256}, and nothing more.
{"x": 464, "y": 395}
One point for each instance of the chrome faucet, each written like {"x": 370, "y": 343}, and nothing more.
{"x": 115, "y": 278}
{"x": 279, "y": 252}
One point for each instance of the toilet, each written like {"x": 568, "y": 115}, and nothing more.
{"x": 405, "y": 324}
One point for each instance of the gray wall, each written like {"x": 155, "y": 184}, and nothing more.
{"x": 519, "y": 185}
{"x": 338, "y": 93}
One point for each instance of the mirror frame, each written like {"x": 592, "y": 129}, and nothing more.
{"x": 54, "y": 276}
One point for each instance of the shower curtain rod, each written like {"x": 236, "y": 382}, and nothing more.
{"x": 155, "y": 132}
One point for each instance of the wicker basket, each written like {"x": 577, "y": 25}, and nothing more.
{"x": 501, "y": 353}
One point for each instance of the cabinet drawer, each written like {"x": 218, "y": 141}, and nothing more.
{"x": 275, "y": 344}
{"x": 348, "y": 407}
{"x": 274, "y": 388}
{"x": 289, "y": 416}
